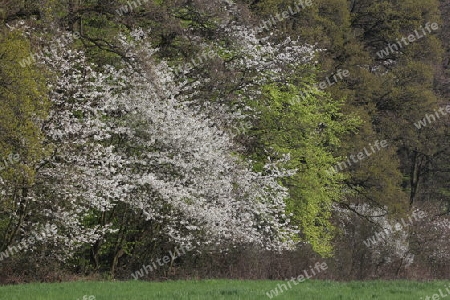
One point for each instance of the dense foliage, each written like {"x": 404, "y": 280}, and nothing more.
{"x": 136, "y": 127}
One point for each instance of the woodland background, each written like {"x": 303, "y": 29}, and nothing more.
{"x": 179, "y": 123}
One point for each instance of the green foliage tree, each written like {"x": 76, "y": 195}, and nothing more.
{"x": 307, "y": 128}
{"x": 24, "y": 105}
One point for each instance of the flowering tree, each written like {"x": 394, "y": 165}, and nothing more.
{"x": 124, "y": 142}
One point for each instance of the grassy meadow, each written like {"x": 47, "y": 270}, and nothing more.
{"x": 221, "y": 289}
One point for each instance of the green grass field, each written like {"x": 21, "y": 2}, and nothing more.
{"x": 222, "y": 289}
